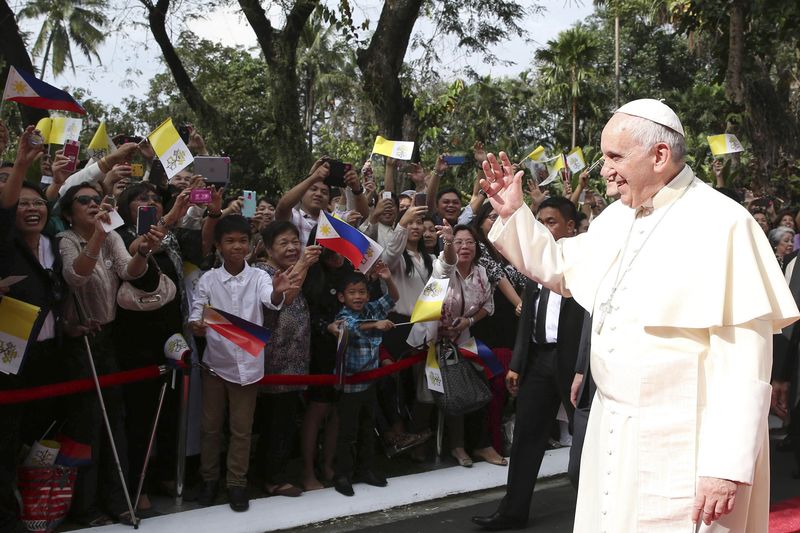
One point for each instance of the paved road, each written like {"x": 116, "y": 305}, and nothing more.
{"x": 552, "y": 508}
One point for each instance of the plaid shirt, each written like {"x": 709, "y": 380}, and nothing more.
{"x": 362, "y": 346}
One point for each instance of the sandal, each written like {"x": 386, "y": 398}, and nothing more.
{"x": 125, "y": 519}
{"x": 493, "y": 459}
{"x": 101, "y": 519}
{"x": 463, "y": 460}
{"x": 287, "y": 489}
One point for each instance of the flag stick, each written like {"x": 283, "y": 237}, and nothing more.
{"x": 403, "y": 324}
{"x": 48, "y": 430}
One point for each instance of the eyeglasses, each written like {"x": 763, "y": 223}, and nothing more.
{"x": 85, "y": 199}
{"x": 147, "y": 197}
{"x": 25, "y": 204}
{"x": 459, "y": 242}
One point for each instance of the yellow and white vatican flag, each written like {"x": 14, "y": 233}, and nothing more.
{"x": 16, "y": 323}
{"x": 725, "y": 143}
{"x": 64, "y": 129}
{"x": 554, "y": 166}
{"x": 429, "y": 304}
{"x": 44, "y": 126}
{"x": 396, "y": 149}
{"x": 575, "y": 160}
{"x": 536, "y": 155}
{"x": 170, "y": 148}
{"x": 433, "y": 374}
{"x": 101, "y": 144}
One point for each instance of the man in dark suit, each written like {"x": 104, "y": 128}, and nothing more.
{"x": 580, "y": 395}
{"x": 540, "y": 376}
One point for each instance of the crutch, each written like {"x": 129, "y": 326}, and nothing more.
{"x": 82, "y": 316}
{"x": 152, "y": 439}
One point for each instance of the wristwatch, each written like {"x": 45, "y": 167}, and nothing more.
{"x": 209, "y": 214}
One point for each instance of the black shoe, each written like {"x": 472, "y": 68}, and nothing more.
{"x": 343, "y": 485}
{"x": 498, "y": 522}
{"x": 238, "y": 500}
{"x": 370, "y": 478}
{"x": 208, "y": 493}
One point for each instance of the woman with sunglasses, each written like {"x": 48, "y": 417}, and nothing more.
{"x": 95, "y": 264}
{"x": 25, "y": 251}
{"x": 135, "y": 350}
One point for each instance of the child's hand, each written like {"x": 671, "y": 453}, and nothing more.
{"x": 334, "y": 327}
{"x": 384, "y": 325}
{"x": 198, "y": 328}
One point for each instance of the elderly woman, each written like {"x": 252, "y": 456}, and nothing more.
{"x": 95, "y": 262}
{"x": 469, "y": 300}
{"x": 782, "y": 241}
{"x": 288, "y": 352}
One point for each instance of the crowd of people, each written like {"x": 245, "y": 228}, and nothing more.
{"x": 269, "y": 269}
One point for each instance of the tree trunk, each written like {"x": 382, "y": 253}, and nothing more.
{"x": 292, "y": 154}
{"x": 157, "y": 15}
{"x": 380, "y": 64}
{"x": 574, "y": 107}
{"x": 14, "y": 53}
{"x": 46, "y": 54}
{"x": 616, "y": 62}
{"x": 734, "y": 88}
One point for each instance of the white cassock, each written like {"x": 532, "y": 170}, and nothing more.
{"x": 681, "y": 358}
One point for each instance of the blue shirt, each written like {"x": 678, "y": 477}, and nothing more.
{"x": 363, "y": 345}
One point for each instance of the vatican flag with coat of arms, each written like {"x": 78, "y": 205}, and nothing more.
{"x": 429, "y": 304}
{"x": 170, "y": 148}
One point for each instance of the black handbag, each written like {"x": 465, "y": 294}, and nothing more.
{"x": 465, "y": 388}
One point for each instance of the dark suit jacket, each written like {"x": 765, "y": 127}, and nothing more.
{"x": 570, "y": 321}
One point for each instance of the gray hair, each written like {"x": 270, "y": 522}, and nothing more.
{"x": 775, "y": 235}
{"x": 648, "y": 133}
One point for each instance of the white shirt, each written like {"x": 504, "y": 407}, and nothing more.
{"x": 304, "y": 223}
{"x": 242, "y": 295}
{"x": 551, "y": 316}
{"x": 46, "y": 259}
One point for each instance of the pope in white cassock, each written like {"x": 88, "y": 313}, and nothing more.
{"x": 685, "y": 295}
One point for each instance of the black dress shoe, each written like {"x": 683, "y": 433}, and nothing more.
{"x": 498, "y": 522}
{"x": 238, "y": 500}
{"x": 370, "y": 478}
{"x": 343, "y": 486}
{"x": 208, "y": 493}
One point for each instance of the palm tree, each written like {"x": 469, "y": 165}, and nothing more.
{"x": 66, "y": 22}
{"x": 566, "y": 65}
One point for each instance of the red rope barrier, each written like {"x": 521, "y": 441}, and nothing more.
{"x": 152, "y": 372}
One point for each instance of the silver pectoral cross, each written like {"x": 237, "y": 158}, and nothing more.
{"x": 605, "y": 309}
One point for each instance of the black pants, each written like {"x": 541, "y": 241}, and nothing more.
{"x": 355, "y": 446}
{"x": 541, "y": 392}
{"x": 276, "y": 417}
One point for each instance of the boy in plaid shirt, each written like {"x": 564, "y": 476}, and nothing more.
{"x": 365, "y": 322}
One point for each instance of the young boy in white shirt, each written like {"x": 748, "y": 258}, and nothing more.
{"x": 231, "y": 374}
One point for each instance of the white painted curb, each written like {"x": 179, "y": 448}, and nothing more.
{"x": 271, "y": 514}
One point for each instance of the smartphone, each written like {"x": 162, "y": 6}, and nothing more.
{"x": 420, "y": 198}
{"x": 145, "y": 218}
{"x": 386, "y": 195}
{"x": 158, "y": 175}
{"x": 122, "y": 139}
{"x": 137, "y": 170}
{"x": 249, "y": 204}
{"x": 71, "y": 150}
{"x": 338, "y": 170}
{"x": 200, "y": 196}
{"x": 453, "y": 160}
{"x": 215, "y": 170}
{"x": 183, "y": 132}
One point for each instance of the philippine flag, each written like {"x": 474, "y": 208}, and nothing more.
{"x": 474, "y": 349}
{"x": 26, "y": 89}
{"x": 342, "y": 238}
{"x": 248, "y": 336}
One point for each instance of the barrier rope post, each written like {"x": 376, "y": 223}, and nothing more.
{"x": 183, "y": 430}
{"x": 439, "y": 434}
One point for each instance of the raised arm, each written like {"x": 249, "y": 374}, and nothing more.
{"x": 319, "y": 171}
{"x": 433, "y": 184}
{"x": 26, "y": 155}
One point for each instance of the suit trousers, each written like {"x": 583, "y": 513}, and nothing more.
{"x": 355, "y": 444}
{"x": 540, "y": 394}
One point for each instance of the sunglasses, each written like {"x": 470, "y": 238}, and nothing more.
{"x": 85, "y": 199}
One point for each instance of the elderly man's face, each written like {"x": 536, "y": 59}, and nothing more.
{"x": 630, "y": 166}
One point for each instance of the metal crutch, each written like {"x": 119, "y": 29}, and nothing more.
{"x": 152, "y": 439}
{"x": 183, "y": 429}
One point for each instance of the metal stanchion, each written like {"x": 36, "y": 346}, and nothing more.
{"x": 183, "y": 430}
{"x": 439, "y": 434}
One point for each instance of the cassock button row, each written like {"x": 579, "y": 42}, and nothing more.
{"x": 613, "y": 328}
{"x": 611, "y": 430}
{"x": 609, "y": 452}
